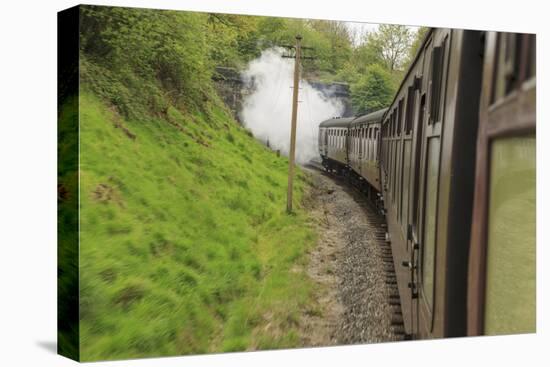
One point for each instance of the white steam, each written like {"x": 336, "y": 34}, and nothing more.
{"x": 268, "y": 107}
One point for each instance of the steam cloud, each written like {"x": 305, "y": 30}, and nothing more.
{"x": 267, "y": 109}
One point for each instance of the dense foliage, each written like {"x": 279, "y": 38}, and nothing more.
{"x": 171, "y": 55}
{"x": 378, "y": 64}
{"x": 372, "y": 91}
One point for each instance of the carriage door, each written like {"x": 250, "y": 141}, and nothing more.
{"x": 421, "y": 232}
{"x": 428, "y": 192}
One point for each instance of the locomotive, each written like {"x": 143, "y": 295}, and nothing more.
{"x": 451, "y": 162}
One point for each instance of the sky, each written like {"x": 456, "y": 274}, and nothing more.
{"x": 362, "y": 28}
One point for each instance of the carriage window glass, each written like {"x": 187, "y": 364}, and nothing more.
{"x": 510, "y": 293}
{"x": 437, "y": 92}
{"x": 368, "y": 143}
{"x": 390, "y": 168}
{"x": 373, "y": 149}
{"x": 409, "y": 110}
{"x": 405, "y": 185}
{"x": 438, "y": 57}
{"x": 394, "y": 169}
{"x": 375, "y": 153}
{"x": 531, "y": 57}
{"x": 360, "y": 140}
{"x": 397, "y": 174}
{"x": 430, "y": 214}
{"x": 508, "y": 57}
{"x": 365, "y": 142}
{"x": 399, "y": 116}
{"x": 373, "y": 144}
{"x": 513, "y": 60}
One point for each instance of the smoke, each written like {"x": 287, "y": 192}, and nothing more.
{"x": 267, "y": 109}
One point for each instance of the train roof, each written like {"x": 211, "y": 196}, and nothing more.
{"x": 337, "y": 122}
{"x": 370, "y": 118}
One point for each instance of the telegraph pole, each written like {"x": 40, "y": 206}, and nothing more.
{"x": 293, "y": 124}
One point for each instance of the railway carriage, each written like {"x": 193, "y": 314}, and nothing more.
{"x": 333, "y": 143}
{"x": 454, "y": 155}
{"x": 428, "y": 165}
{"x": 364, "y": 134}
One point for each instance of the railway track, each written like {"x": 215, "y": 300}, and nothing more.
{"x": 386, "y": 282}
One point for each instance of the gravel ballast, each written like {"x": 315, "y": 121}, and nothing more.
{"x": 349, "y": 267}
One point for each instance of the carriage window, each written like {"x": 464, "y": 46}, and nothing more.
{"x": 367, "y": 143}
{"x": 409, "y": 110}
{"x": 531, "y": 68}
{"x": 361, "y": 140}
{"x": 399, "y": 116}
{"x": 510, "y": 293}
{"x": 395, "y": 121}
{"x": 376, "y": 132}
{"x": 407, "y": 149}
{"x": 508, "y": 58}
{"x": 438, "y": 57}
{"x": 430, "y": 214}
{"x": 372, "y": 144}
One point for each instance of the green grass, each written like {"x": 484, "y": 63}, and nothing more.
{"x": 185, "y": 244}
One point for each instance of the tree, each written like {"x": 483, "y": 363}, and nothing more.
{"x": 416, "y": 43}
{"x": 338, "y": 36}
{"x": 391, "y": 44}
{"x": 372, "y": 91}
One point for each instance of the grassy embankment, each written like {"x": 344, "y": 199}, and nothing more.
{"x": 185, "y": 244}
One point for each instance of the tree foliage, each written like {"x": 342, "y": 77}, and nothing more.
{"x": 140, "y": 59}
{"x": 392, "y": 42}
{"x": 372, "y": 91}
{"x": 143, "y": 60}
{"x": 378, "y": 65}
{"x": 416, "y": 43}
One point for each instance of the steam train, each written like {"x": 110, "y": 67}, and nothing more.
{"x": 452, "y": 164}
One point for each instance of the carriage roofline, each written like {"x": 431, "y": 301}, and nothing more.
{"x": 337, "y": 122}
{"x": 373, "y": 117}
{"x": 346, "y": 122}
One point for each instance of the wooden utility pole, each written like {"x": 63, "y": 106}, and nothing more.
{"x": 293, "y": 125}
